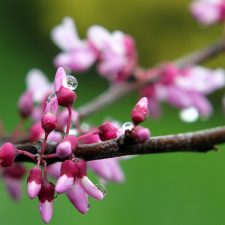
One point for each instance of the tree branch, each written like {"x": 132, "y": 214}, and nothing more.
{"x": 117, "y": 91}
{"x": 199, "y": 141}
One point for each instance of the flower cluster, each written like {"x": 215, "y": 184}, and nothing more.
{"x": 208, "y": 12}
{"x": 50, "y": 108}
{"x": 115, "y": 52}
{"x": 185, "y": 89}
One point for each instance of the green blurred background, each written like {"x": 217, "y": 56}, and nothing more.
{"x": 170, "y": 189}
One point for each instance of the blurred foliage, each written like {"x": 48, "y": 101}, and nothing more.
{"x": 187, "y": 189}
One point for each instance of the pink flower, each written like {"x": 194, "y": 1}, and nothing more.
{"x": 34, "y": 181}
{"x": 78, "y": 55}
{"x": 67, "y": 176}
{"x": 12, "y": 178}
{"x": 49, "y": 119}
{"x": 117, "y": 53}
{"x": 26, "y": 104}
{"x": 46, "y": 198}
{"x": 7, "y": 155}
{"x": 208, "y": 12}
{"x": 107, "y": 131}
{"x": 140, "y": 111}
{"x": 38, "y": 85}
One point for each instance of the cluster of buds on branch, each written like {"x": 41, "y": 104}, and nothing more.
{"x": 61, "y": 126}
{"x": 58, "y": 135}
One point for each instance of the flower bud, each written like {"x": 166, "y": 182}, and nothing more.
{"x": 36, "y": 132}
{"x": 141, "y": 134}
{"x": 107, "y": 131}
{"x": 46, "y": 197}
{"x": 66, "y": 179}
{"x": 48, "y": 122}
{"x": 25, "y": 104}
{"x": 66, "y": 97}
{"x": 140, "y": 111}
{"x": 64, "y": 149}
{"x": 7, "y": 154}
{"x": 89, "y": 138}
{"x": 34, "y": 182}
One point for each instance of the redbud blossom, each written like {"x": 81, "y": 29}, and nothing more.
{"x": 25, "y": 104}
{"x": 107, "y": 131}
{"x": 12, "y": 178}
{"x": 7, "y": 154}
{"x": 34, "y": 181}
{"x": 141, "y": 134}
{"x": 140, "y": 111}
{"x": 78, "y": 55}
{"x": 49, "y": 119}
{"x": 36, "y": 132}
{"x": 66, "y": 179}
{"x": 46, "y": 198}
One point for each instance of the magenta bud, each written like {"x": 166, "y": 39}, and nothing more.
{"x": 107, "y": 131}
{"x": 46, "y": 197}
{"x": 66, "y": 97}
{"x": 34, "y": 182}
{"x": 54, "y": 169}
{"x": 141, "y": 134}
{"x": 25, "y": 104}
{"x": 66, "y": 179}
{"x": 89, "y": 138}
{"x": 64, "y": 149}
{"x": 91, "y": 189}
{"x": 36, "y": 132}
{"x": 7, "y": 154}
{"x": 48, "y": 122}
{"x": 140, "y": 111}
{"x": 81, "y": 166}
{"x": 72, "y": 140}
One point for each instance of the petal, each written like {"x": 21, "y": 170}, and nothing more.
{"x": 98, "y": 36}
{"x": 78, "y": 197}
{"x": 118, "y": 175}
{"x": 64, "y": 183}
{"x": 59, "y": 76}
{"x": 54, "y": 170}
{"x": 33, "y": 189}
{"x": 91, "y": 189}
{"x": 65, "y": 35}
{"x": 38, "y": 84}
{"x": 13, "y": 187}
{"x": 46, "y": 210}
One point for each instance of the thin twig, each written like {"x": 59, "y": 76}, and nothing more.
{"x": 118, "y": 91}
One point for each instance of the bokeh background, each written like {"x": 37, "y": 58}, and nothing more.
{"x": 170, "y": 189}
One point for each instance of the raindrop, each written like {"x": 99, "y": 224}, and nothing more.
{"x": 127, "y": 126}
{"x": 50, "y": 97}
{"x": 189, "y": 115}
{"x": 101, "y": 188}
{"x": 70, "y": 82}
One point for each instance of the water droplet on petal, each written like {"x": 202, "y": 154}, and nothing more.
{"x": 89, "y": 206}
{"x": 127, "y": 126}
{"x": 50, "y": 97}
{"x": 101, "y": 188}
{"x": 70, "y": 82}
{"x": 189, "y": 115}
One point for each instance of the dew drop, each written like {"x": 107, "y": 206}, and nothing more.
{"x": 189, "y": 115}
{"x": 101, "y": 188}
{"x": 127, "y": 126}
{"x": 50, "y": 97}
{"x": 89, "y": 206}
{"x": 70, "y": 82}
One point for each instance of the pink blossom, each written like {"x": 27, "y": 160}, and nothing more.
{"x": 208, "y": 12}
{"x": 117, "y": 53}
{"x": 46, "y": 198}
{"x": 140, "y": 111}
{"x": 7, "y": 154}
{"x": 34, "y": 182}
{"x": 12, "y": 178}
{"x": 78, "y": 55}
{"x": 38, "y": 85}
